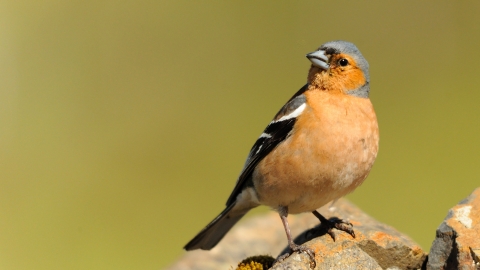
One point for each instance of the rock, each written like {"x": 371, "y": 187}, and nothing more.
{"x": 457, "y": 242}
{"x": 376, "y": 246}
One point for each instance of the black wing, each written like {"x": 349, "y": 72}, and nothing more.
{"x": 277, "y": 131}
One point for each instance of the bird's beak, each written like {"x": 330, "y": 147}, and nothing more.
{"x": 319, "y": 59}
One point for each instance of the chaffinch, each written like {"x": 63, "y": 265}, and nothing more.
{"x": 319, "y": 147}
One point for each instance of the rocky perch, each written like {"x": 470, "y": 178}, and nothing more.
{"x": 376, "y": 245}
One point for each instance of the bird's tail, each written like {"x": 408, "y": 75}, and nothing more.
{"x": 216, "y": 230}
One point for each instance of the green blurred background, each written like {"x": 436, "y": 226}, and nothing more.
{"x": 124, "y": 124}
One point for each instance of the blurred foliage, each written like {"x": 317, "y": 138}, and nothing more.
{"x": 124, "y": 124}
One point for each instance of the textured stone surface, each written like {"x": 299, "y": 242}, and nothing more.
{"x": 457, "y": 242}
{"x": 343, "y": 255}
{"x": 376, "y": 246}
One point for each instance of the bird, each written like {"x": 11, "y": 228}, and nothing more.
{"x": 320, "y": 146}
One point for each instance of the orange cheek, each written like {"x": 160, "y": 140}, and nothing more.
{"x": 353, "y": 79}
{"x": 337, "y": 80}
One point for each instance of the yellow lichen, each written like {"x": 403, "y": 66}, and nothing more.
{"x": 262, "y": 262}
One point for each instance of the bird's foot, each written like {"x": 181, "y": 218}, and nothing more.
{"x": 298, "y": 248}
{"x": 335, "y": 223}
{"x": 338, "y": 224}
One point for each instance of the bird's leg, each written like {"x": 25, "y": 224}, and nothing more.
{"x": 336, "y": 223}
{"x": 293, "y": 247}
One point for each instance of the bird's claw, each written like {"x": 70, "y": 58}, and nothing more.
{"x": 338, "y": 224}
{"x": 330, "y": 224}
{"x": 299, "y": 248}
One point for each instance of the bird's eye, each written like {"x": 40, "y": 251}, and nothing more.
{"x": 343, "y": 62}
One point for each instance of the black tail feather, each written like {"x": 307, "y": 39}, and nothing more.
{"x": 215, "y": 231}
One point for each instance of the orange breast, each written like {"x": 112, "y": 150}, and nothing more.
{"x": 329, "y": 153}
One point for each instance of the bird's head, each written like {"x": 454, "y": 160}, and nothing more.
{"x": 339, "y": 66}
